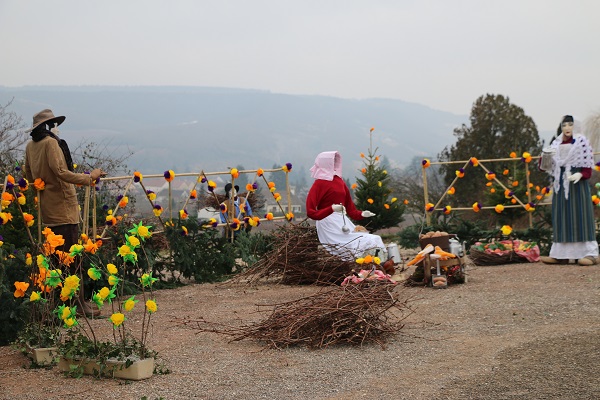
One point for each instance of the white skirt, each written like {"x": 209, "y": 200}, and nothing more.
{"x": 573, "y": 251}
{"x": 348, "y": 246}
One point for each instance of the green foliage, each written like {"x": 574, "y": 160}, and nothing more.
{"x": 14, "y": 312}
{"x": 497, "y": 129}
{"x": 146, "y": 261}
{"x": 251, "y": 247}
{"x": 77, "y": 346}
{"x": 36, "y": 336}
{"x": 373, "y": 193}
{"x": 202, "y": 254}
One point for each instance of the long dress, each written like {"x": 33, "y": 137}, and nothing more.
{"x": 573, "y": 224}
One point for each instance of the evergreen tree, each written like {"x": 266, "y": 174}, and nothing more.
{"x": 373, "y": 193}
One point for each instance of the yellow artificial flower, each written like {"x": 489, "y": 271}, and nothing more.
{"x": 104, "y": 292}
{"x": 66, "y": 313}
{"x": 133, "y": 241}
{"x": 72, "y": 282}
{"x": 35, "y": 296}
{"x": 125, "y": 250}
{"x": 117, "y": 319}
{"x": 129, "y": 303}
{"x": 151, "y": 306}
{"x": 112, "y": 269}
{"x": 506, "y": 230}
{"x": 143, "y": 232}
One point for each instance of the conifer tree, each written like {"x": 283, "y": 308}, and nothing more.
{"x": 373, "y": 193}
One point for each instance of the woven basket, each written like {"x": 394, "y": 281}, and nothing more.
{"x": 483, "y": 258}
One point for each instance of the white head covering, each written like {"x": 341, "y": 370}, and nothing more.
{"x": 327, "y": 165}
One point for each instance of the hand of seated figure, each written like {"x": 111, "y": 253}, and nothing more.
{"x": 338, "y": 208}
{"x": 367, "y": 214}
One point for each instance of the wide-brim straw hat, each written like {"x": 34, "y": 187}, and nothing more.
{"x": 45, "y": 116}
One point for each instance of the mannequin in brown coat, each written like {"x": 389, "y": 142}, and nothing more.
{"x": 47, "y": 157}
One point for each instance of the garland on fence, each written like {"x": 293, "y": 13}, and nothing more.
{"x": 529, "y": 206}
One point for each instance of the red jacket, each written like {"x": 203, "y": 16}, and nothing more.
{"x": 323, "y": 194}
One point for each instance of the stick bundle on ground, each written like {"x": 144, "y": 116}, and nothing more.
{"x": 369, "y": 312}
{"x": 296, "y": 257}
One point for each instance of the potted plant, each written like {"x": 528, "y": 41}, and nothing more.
{"x": 126, "y": 354}
{"x": 32, "y": 303}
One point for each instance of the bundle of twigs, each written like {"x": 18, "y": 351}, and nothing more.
{"x": 295, "y": 258}
{"x": 354, "y": 314}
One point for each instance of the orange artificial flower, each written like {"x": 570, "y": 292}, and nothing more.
{"x": 39, "y": 184}
{"x": 90, "y": 247}
{"x": 21, "y": 288}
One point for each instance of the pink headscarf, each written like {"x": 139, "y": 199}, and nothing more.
{"x": 327, "y": 165}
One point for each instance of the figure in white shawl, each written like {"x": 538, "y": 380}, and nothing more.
{"x": 330, "y": 204}
{"x": 573, "y": 225}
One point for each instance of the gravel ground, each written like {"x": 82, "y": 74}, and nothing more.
{"x": 520, "y": 331}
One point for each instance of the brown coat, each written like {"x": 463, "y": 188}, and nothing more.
{"x": 45, "y": 160}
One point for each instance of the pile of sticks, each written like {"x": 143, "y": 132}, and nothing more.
{"x": 354, "y": 314}
{"x": 297, "y": 258}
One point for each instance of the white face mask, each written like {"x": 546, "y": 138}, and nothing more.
{"x": 233, "y": 193}
{"x": 55, "y": 129}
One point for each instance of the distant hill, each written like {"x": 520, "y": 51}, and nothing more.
{"x": 192, "y": 128}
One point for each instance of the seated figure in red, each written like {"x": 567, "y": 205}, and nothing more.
{"x": 330, "y": 204}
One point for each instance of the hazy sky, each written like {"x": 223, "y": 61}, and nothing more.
{"x": 543, "y": 54}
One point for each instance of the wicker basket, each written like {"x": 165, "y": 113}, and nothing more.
{"x": 483, "y": 258}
